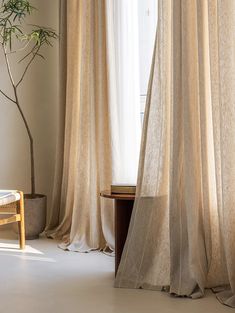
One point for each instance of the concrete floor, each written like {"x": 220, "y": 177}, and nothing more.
{"x": 44, "y": 278}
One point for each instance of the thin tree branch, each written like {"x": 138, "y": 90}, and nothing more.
{"x": 22, "y": 115}
{"x": 30, "y": 52}
{"x": 5, "y": 95}
{"x": 21, "y": 49}
{"x": 24, "y": 120}
{"x": 30, "y": 140}
{"x": 8, "y": 66}
{"x": 27, "y": 67}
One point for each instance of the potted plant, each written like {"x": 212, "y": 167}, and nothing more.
{"x": 17, "y": 40}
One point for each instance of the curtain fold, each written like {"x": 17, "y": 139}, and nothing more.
{"x": 79, "y": 216}
{"x": 99, "y": 131}
{"x": 182, "y": 235}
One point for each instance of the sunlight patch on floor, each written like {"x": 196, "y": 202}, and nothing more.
{"x": 14, "y": 247}
{"x": 29, "y": 257}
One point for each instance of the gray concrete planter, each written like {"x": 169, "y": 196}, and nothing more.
{"x": 35, "y": 215}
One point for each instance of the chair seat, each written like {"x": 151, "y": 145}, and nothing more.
{"x": 8, "y": 196}
{"x": 12, "y": 205}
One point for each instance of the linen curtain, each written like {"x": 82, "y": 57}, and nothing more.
{"x": 99, "y": 117}
{"x": 84, "y": 165}
{"x": 182, "y": 235}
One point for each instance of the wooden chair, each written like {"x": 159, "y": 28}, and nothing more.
{"x": 12, "y": 205}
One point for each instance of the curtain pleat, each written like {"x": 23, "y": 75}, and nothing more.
{"x": 79, "y": 216}
{"x": 182, "y": 236}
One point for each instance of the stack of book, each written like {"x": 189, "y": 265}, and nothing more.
{"x": 123, "y": 189}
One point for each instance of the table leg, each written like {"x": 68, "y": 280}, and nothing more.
{"x": 123, "y": 210}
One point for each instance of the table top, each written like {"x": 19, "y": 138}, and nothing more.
{"x": 117, "y": 196}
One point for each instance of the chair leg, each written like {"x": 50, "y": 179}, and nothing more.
{"x": 21, "y": 224}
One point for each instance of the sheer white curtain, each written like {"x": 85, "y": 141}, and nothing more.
{"x": 182, "y": 232}
{"x": 122, "y": 17}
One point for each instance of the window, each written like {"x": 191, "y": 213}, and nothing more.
{"x": 147, "y": 11}
{"x": 134, "y": 28}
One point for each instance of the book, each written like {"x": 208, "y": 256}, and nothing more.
{"x": 121, "y": 188}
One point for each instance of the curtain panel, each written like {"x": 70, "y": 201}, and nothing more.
{"x": 182, "y": 235}
{"x": 79, "y": 216}
{"x": 99, "y": 118}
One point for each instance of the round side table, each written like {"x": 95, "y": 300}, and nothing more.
{"x": 123, "y": 210}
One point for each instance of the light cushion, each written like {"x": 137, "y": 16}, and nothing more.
{"x": 8, "y": 196}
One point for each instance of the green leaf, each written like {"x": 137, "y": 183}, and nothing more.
{"x": 12, "y": 20}
{"x": 17, "y": 9}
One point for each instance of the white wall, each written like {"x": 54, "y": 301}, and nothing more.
{"x": 39, "y": 99}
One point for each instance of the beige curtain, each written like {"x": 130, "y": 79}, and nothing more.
{"x": 79, "y": 216}
{"x": 182, "y": 232}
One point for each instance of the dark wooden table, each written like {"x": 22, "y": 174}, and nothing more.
{"x": 123, "y": 210}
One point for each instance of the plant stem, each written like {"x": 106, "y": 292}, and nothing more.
{"x": 17, "y": 102}
{"x": 5, "y": 95}
{"x": 28, "y": 65}
{"x": 30, "y": 142}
